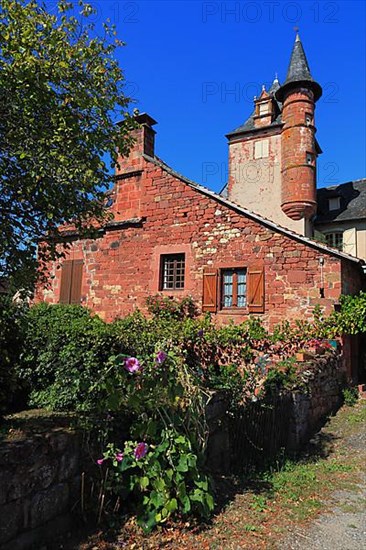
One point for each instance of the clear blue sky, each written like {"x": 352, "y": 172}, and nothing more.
{"x": 195, "y": 66}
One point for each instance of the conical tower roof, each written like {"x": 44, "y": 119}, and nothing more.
{"x": 298, "y": 73}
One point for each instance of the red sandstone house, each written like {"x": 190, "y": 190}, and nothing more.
{"x": 174, "y": 237}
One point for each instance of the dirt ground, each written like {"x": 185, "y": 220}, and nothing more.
{"x": 342, "y": 525}
{"x": 319, "y": 504}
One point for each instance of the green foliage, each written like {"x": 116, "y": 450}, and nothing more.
{"x": 166, "y": 405}
{"x": 167, "y": 481}
{"x": 11, "y": 341}
{"x": 350, "y": 396}
{"x": 169, "y": 307}
{"x": 351, "y": 319}
{"x": 61, "y": 90}
{"x": 66, "y": 350}
{"x": 282, "y": 376}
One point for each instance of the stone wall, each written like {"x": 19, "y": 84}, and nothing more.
{"x": 39, "y": 485}
{"x": 264, "y": 428}
{"x": 40, "y": 474}
{"x": 318, "y": 396}
{"x": 122, "y": 267}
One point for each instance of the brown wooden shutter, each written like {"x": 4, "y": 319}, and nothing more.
{"x": 77, "y": 273}
{"x": 66, "y": 274}
{"x": 209, "y": 299}
{"x": 256, "y": 289}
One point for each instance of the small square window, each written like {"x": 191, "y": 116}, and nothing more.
{"x": 334, "y": 203}
{"x": 233, "y": 288}
{"x": 261, "y": 149}
{"x": 308, "y": 119}
{"x": 172, "y": 269}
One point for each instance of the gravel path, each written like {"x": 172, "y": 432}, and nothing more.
{"x": 343, "y": 525}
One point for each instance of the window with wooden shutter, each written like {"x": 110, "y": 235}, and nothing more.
{"x": 255, "y": 284}
{"x": 209, "y": 299}
{"x": 71, "y": 279}
{"x": 233, "y": 287}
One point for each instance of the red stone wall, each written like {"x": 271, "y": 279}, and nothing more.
{"x": 121, "y": 268}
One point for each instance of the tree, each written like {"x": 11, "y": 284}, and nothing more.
{"x": 61, "y": 90}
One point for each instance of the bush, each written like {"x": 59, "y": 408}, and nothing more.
{"x": 350, "y": 396}
{"x": 65, "y": 352}
{"x": 159, "y": 470}
{"x": 11, "y": 341}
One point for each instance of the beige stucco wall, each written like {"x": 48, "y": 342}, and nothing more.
{"x": 359, "y": 248}
{"x": 255, "y": 184}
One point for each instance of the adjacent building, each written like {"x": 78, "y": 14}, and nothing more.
{"x": 341, "y": 217}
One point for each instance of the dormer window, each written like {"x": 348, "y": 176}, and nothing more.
{"x": 334, "y": 203}
{"x": 263, "y": 109}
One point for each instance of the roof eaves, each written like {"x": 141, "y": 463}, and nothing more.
{"x": 264, "y": 221}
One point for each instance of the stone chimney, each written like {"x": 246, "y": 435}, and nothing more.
{"x": 144, "y": 144}
{"x": 128, "y": 191}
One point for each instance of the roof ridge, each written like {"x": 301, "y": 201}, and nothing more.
{"x": 257, "y": 217}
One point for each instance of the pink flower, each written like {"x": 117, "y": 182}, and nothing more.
{"x": 132, "y": 364}
{"x": 161, "y": 356}
{"x": 100, "y": 461}
{"x": 140, "y": 451}
{"x": 119, "y": 457}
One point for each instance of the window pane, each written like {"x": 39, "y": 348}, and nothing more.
{"x": 173, "y": 266}
{"x": 227, "y": 289}
{"x": 335, "y": 240}
{"x": 242, "y": 287}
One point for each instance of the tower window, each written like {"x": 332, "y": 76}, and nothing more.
{"x": 308, "y": 119}
{"x": 261, "y": 149}
{"x": 334, "y": 203}
{"x": 310, "y": 159}
{"x": 172, "y": 272}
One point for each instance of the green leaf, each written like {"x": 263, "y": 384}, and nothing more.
{"x": 144, "y": 482}
{"x": 183, "y": 464}
{"x": 172, "y": 505}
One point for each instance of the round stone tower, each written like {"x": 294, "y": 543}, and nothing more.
{"x": 298, "y": 145}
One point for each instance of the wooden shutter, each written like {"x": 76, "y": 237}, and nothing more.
{"x": 209, "y": 299}
{"x": 66, "y": 275}
{"x": 71, "y": 277}
{"x": 350, "y": 241}
{"x": 256, "y": 289}
{"x": 77, "y": 273}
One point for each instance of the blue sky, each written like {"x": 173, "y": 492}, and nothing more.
{"x": 195, "y": 66}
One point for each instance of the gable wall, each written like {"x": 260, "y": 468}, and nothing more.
{"x": 121, "y": 268}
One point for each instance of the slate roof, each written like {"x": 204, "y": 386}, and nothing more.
{"x": 299, "y": 72}
{"x": 248, "y": 125}
{"x": 252, "y": 215}
{"x": 352, "y": 202}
